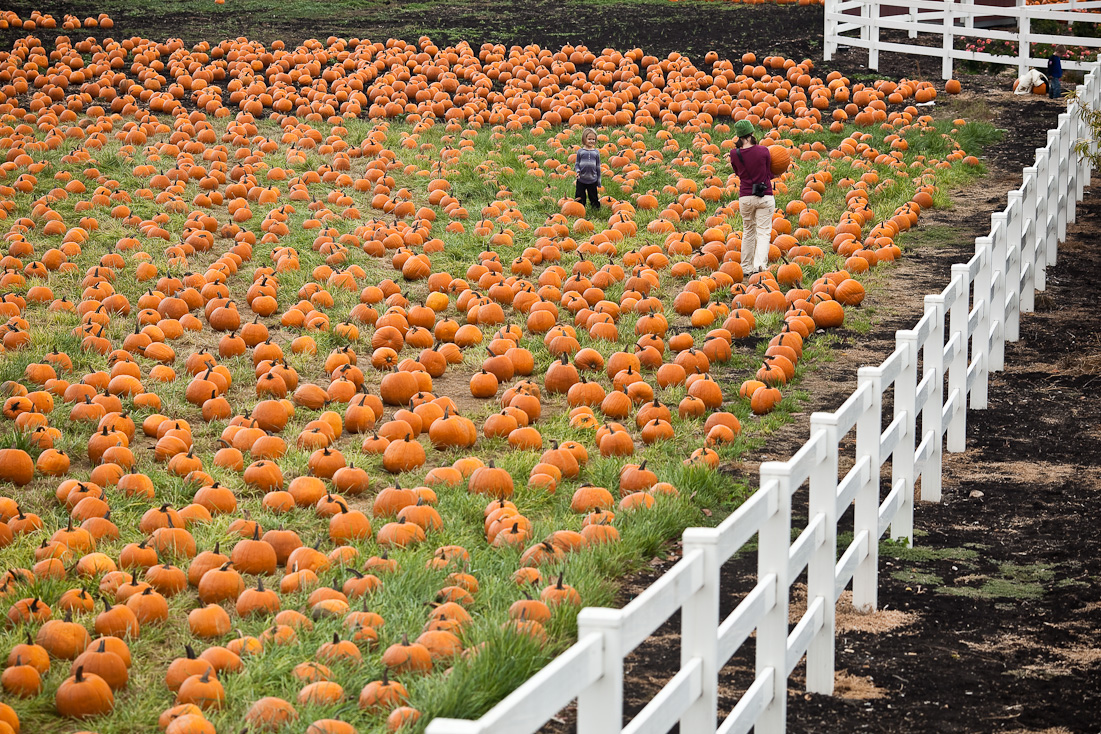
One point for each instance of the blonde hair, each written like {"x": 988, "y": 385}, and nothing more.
{"x": 586, "y": 132}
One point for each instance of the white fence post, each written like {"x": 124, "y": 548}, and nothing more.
{"x": 600, "y": 705}
{"x": 873, "y": 35}
{"x": 699, "y": 631}
{"x": 1069, "y": 136}
{"x": 1089, "y": 99}
{"x": 947, "y": 42}
{"x": 1057, "y": 191}
{"x": 957, "y": 368}
{"x": 1015, "y": 242}
{"x": 773, "y": 543}
{"x": 821, "y": 569}
{"x": 999, "y": 273}
{"x": 1028, "y": 242}
{"x": 1068, "y": 187}
{"x": 1081, "y": 133}
{"x": 980, "y": 340}
{"x": 932, "y": 415}
{"x": 1024, "y": 45}
{"x": 866, "y": 25}
{"x": 902, "y": 460}
{"x": 829, "y": 42}
{"x": 866, "y": 504}
{"x": 1043, "y": 214}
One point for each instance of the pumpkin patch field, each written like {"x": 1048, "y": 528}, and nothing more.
{"x": 326, "y": 408}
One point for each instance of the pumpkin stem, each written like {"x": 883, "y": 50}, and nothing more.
{"x": 190, "y": 652}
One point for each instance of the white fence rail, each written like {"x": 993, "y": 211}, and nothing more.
{"x": 936, "y": 369}
{"x": 950, "y": 20}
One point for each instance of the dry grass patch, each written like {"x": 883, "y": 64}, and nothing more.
{"x": 855, "y": 687}
{"x": 849, "y": 618}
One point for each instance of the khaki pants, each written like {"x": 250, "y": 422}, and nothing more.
{"x": 756, "y": 214}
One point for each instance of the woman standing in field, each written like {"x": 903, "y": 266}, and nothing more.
{"x": 752, "y": 163}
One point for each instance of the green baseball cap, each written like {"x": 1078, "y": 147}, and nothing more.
{"x": 742, "y": 128}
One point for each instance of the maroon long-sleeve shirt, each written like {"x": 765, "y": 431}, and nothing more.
{"x": 754, "y": 166}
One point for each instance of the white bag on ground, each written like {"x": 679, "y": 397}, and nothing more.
{"x": 1031, "y": 78}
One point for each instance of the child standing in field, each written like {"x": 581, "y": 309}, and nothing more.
{"x": 587, "y": 167}
{"x": 1055, "y": 72}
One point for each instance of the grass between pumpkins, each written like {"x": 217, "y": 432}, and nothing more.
{"x": 494, "y": 164}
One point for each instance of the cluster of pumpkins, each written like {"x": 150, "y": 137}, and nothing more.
{"x": 197, "y": 247}
{"x": 516, "y": 87}
{"x": 10, "y": 19}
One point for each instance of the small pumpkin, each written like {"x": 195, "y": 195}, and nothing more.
{"x": 83, "y": 695}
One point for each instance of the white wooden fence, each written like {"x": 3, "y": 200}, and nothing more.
{"x": 936, "y": 368}
{"x": 866, "y": 18}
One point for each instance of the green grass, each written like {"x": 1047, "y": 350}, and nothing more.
{"x": 918, "y": 578}
{"x": 1012, "y": 581}
{"x": 899, "y": 551}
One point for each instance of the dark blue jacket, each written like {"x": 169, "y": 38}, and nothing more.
{"x": 1055, "y": 67}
